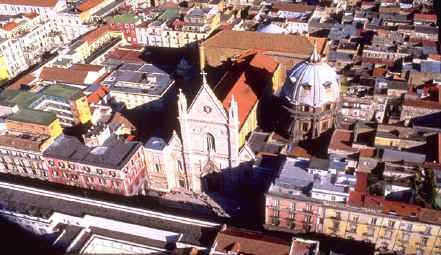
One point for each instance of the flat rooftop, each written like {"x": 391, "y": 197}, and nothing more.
{"x": 139, "y": 79}
{"x": 63, "y": 91}
{"x": 114, "y": 153}
{"x": 33, "y": 116}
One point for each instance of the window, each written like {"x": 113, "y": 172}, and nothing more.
{"x": 292, "y": 206}
{"x": 157, "y": 167}
{"x": 61, "y": 164}
{"x": 276, "y": 213}
{"x": 355, "y": 218}
{"x": 308, "y": 208}
{"x": 423, "y": 241}
{"x": 305, "y": 126}
{"x": 211, "y": 143}
{"x": 374, "y": 221}
{"x": 327, "y": 84}
{"x": 405, "y": 237}
{"x": 388, "y": 234}
{"x": 180, "y": 168}
{"x": 391, "y": 223}
{"x": 276, "y": 203}
{"x": 338, "y": 215}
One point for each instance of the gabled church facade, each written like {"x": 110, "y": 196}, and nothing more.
{"x": 201, "y": 157}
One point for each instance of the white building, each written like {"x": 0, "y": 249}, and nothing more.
{"x": 203, "y": 157}
{"x": 46, "y": 9}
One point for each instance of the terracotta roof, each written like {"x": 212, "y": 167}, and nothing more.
{"x": 92, "y": 36}
{"x": 248, "y": 242}
{"x": 264, "y": 62}
{"x": 379, "y": 72}
{"x": 86, "y": 67}
{"x": 125, "y": 55}
{"x": 24, "y": 80}
{"x": 30, "y": 15}
{"x": 118, "y": 118}
{"x": 39, "y": 3}
{"x": 9, "y": 26}
{"x": 400, "y": 208}
{"x": 63, "y": 75}
{"x": 244, "y": 82}
{"x": 424, "y": 17}
{"x": 292, "y": 7}
{"x": 97, "y": 95}
{"x": 88, "y": 4}
{"x": 342, "y": 140}
{"x": 436, "y": 57}
{"x": 362, "y": 182}
{"x": 246, "y": 40}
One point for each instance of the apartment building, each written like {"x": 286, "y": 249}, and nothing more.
{"x": 115, "y": 166}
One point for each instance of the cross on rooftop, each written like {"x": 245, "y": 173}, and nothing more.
{"x": 204, "y": 77}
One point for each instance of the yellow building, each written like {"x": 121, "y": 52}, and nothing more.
{"x": 387, "y": 231}
{"x": 4, "y": 75}
{"x": 34, "y": 122}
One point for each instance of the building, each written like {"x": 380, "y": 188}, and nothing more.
{"x": 80, "y": 225}
{"x": 171, "y": 31}
{"x": 311, "y": 95}
{"x": 34, "y": 122}
{"x": 68, "y": 103}
{"x": 44, "y": 8}
{"x": 136, "y": 85}
{"x": 115, "y": 166}
{"x": 22, "y": 154}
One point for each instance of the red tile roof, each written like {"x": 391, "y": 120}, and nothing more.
{"x": 31, "y": 15}
{"x": 9, "y": 26}
{"x": 243, "y": 83}
{"x": 424, "y": 17}
{"x": 88, "y": 4}
{"x": 249, "y": 242}
{"x": 97, "y": 95}
{"x": 93, "y": 35}
{"x": 362, "y": 182}
{"x": 38, "y": 3}
{"x": 24, "y": 80}
{"x": 63, "y": 75}
{"x": 341, "y": 140}
{"x": 246, "y": 40}
{"x": 86, "y": 67}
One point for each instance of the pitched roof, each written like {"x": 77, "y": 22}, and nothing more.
{"x": 24, "y": 80}
{"x": 39, "y": 3}
{"x": 246, "y": 40}
{"x": 248, "y": 242}
{"x": 244, "y": 84}
{"x": 9, "y": 26}
{"x": 93, "y": 35}
{"x": 63, "y": 75}
{"x": 88, "y": 4}
{"x": 86, "y": 67}
{"x": 97, "y": 95}
{"x": 292, "y": 7}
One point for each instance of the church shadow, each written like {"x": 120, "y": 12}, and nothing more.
{"x": 239, "y": 193}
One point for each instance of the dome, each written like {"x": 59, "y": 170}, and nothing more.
{"x": 312, "y": 82}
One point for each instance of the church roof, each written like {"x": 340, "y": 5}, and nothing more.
{"x": 244, "y": 82}
{"x": 246, "y": 40}
{"x": 312, "y": 82}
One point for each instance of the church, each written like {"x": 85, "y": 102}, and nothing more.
{"x": 310, "y": 98}
{"x": 204, "y": 150}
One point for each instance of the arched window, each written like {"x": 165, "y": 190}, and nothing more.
{"x": 211, "y": 143}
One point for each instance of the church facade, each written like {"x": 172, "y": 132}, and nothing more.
{"x": 207, "y": 147}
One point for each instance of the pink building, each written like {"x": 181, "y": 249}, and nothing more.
{"x": 287, "y": 205}
{"x": 115, "y": 167}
